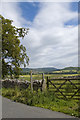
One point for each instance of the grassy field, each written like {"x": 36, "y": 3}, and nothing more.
{"x": 68, "y": 87}
{"x": 46, "y": 99}
{"x": 39, "y": 76}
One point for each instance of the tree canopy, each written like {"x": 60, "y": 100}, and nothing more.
{"x": 13, "y": 52}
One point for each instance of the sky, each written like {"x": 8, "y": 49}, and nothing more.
{"x": 52, "y": 40}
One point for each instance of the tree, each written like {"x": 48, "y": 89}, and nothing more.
{"x": 13, "y": 53}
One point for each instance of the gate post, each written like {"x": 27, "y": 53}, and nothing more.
{"x": 43, "y": 76}
{"x": 31, "y": 81}
{"x": 47, "y": 83}
{"x": 43, "y": 83}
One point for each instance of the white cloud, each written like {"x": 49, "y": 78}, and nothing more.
{"x": 49, "y": 42}
{"x": 11, "y": 10}
{"x": 54, "y": 13}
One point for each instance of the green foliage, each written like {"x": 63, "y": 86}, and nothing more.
{"x": 13, "y": 53}
{"x": 69, "y": 88}
{"x": 42, "y": 99}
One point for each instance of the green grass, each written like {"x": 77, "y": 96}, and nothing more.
{"x": 67, "y": 86}
{"x": 42, "y": 99}
{"x": 39, "y": 76}
{"x": 45, "y": 99}
{"x": 27, "y": 77}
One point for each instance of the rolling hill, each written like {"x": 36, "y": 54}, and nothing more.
{"x": 50, "y": 70}
{"x": 71, "y": 68}
{"x": 39, "y": 70}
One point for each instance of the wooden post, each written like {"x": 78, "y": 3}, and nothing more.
{"x": 43, "y": 76}
{"x": 42, "y": 81}
{"x": 47, "y": 83}
{"x": 31, "y": 82}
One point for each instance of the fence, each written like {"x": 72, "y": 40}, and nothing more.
{"x": 65, "y": 87}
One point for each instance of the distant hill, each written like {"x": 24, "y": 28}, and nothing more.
{"x": 39, "y": 70}
{"x": 71, "y": 68}
{"x": 50, "y": 70}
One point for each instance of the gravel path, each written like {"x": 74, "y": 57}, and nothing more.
{"x": 17, "y": 110}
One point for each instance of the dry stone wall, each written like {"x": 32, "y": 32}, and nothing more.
{"x": 12, "y": 83}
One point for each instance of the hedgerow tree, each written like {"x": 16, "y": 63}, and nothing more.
{"x": 13, "y": 53}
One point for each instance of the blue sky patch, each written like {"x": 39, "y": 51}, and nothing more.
{"x": 72, "y": 22}
{"x": 74, "y": 6}
{"x": 29, "y": 10}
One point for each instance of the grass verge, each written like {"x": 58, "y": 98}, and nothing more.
{"x": 42, "y": 99}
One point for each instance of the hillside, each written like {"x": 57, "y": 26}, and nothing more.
{"x": 51, "y": 70}
{"x": 71, "y": 68}
{"x": 40, "y": 70}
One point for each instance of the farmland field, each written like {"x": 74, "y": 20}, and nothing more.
{"x": 46, "y": 99}
{"x": 39, "y": 76}
{"x": 67, "y": 88}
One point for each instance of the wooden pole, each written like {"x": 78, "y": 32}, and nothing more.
{"x": 31, "y": 81}
{"x": 42, "y": 81}
{"x": 43, "y": 76}
{"x": 47, "y": 83}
